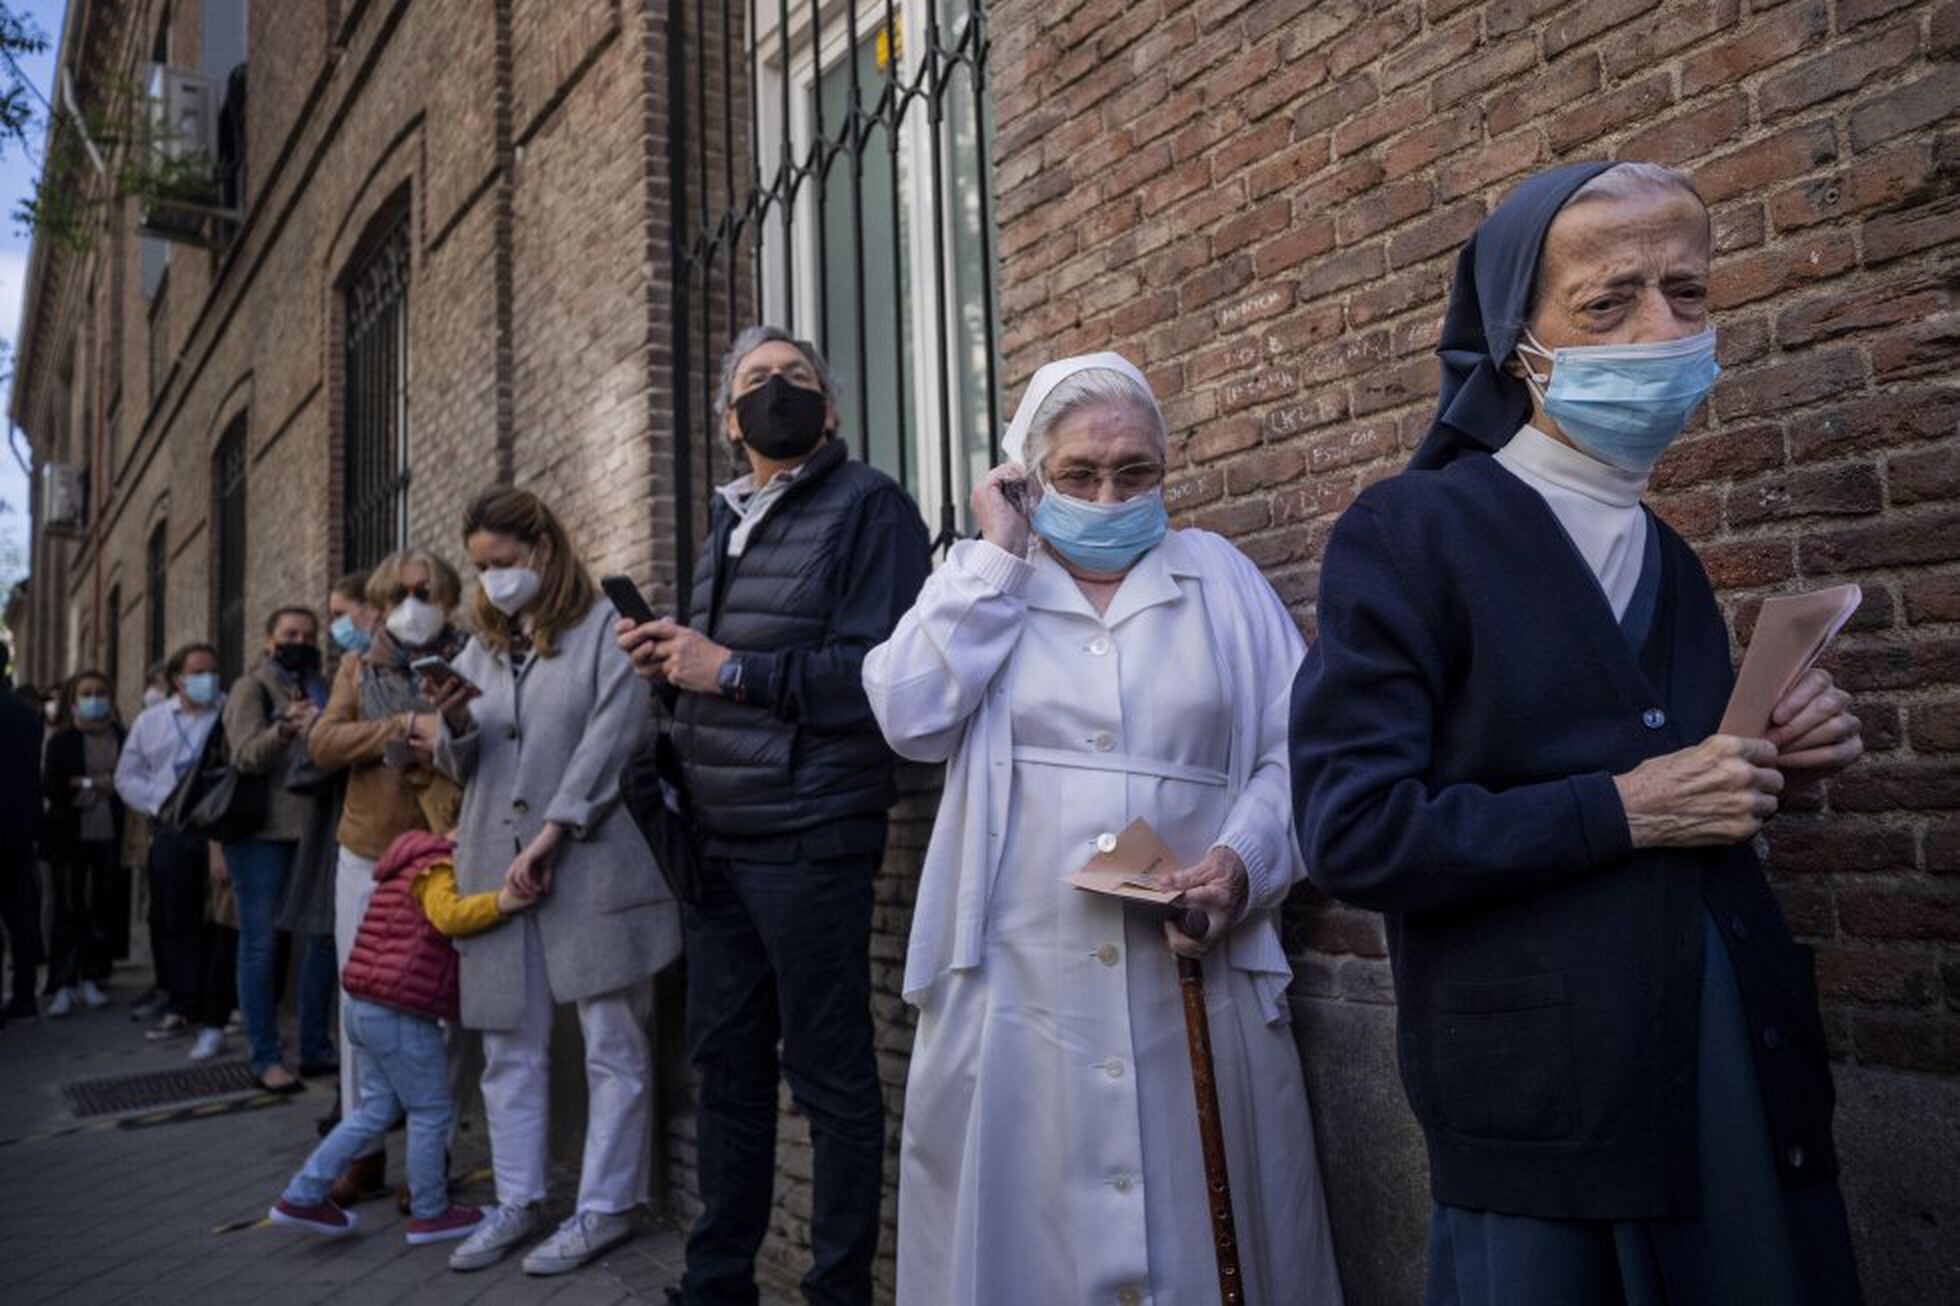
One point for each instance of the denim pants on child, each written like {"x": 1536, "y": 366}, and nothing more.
{"x": 404, "y": 1067}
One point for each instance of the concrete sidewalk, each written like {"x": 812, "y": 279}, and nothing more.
{"x": 166, "y": 1204}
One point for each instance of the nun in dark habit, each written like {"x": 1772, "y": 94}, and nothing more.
{"x": 1504, "y": 740}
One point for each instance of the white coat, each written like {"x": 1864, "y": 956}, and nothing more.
{"x": 942, "y": 690}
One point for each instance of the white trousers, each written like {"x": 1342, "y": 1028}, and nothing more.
{"x": 613, "y": 1174}
{"x": 353, "y": 885}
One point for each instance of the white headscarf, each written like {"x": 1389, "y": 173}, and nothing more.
{"x": 1049, "y": 375}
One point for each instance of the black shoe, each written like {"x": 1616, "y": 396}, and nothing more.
{"x": 23, "y": 1007}
{"x": 318, "y": 1069}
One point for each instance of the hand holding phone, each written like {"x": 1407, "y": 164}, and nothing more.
{"x": 439, "y": 673}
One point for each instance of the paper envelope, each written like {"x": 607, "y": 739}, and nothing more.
{"x": 1791, "y": 634}
{"x": 1125, "y": 870}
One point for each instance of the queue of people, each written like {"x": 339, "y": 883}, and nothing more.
{"x": 1504, "y": 737}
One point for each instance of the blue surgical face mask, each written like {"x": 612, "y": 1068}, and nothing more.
{"x": 349, "y": 636}
{"x": 1106, "y": 538}
{"x": 1625, "y": 404}
{"x": 91, "y": 708}
{"x": 202, "y": 688}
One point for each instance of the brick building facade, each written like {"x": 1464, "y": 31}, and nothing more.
{"x": 1256, "y": 200}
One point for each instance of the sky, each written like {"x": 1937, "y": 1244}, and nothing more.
{"x": 18, "y": 171}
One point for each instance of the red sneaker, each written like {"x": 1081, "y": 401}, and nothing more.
{"x": 458, "y": 1221}
{"x": 325, "y": 1218}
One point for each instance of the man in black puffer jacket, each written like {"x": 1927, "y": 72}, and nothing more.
{"x": 811, "y": 560}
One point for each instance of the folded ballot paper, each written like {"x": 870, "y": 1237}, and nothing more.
{"x": 1125, "y": 864}
{"x": 1791, "y": 634}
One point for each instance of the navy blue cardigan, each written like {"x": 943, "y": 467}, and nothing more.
{"x": 1455, "y": 730}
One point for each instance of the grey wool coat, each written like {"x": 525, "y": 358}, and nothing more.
{"x": 549, "y": 745}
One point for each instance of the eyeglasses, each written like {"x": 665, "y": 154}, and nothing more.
{"x": 1129, "y": 481}
{"x": 400, "y": 592}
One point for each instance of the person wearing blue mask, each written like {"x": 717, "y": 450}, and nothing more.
{"x": 81, "y": 839}
{"x": 164, "y": 742}
{"x": 1505, "y": 739}
{"x": 1079, "y": 666}
{"x": 269, "y": 713}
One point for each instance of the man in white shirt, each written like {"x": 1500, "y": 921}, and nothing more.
{"x": 163, "y": 744}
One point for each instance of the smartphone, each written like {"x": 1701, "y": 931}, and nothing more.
{"x": 438, "y": 669}
{"x": 1016, "y": 494}
{"x": 626, "y": 596}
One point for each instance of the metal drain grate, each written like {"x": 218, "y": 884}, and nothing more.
{"x": 101, "y": 1097}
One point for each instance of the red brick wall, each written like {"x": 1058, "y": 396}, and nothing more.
{"x": 1260, "y": 202}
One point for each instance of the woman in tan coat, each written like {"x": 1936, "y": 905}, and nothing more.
{"x": 368, "y": 730}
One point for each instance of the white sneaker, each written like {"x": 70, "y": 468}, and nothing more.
{"x": 578, "y": 1240}
{"x": 93, "y": 995}
{"x": 503, "y": 1228}
{"x": 210, "y": 1042}
{"x": 62, "y": 1003}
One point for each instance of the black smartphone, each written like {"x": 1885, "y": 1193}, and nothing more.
{"x": 626, "y": 596}
{"x": 439, "y": 670}
{"x": 1016, "y": 494}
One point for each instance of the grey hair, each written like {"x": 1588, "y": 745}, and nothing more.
{"x": 1634, "y": 178}
{"x": 1092, "y": 387}
{"x": 752, "y": 338}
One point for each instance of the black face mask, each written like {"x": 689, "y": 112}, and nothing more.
{"x": 297, "y": 659}
{"x": 780, "y": 419}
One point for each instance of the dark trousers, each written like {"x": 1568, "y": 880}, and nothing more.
{"x": 781, "y": 951}
{"x": 112, "y": 917}
{"x": 180, "y": 866}
{"x": 20, "y": 914}
{"x": 217, "y": 997}
{"x": 76, "y": 949}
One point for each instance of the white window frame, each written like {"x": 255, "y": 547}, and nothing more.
{"x": 915, "y": 146}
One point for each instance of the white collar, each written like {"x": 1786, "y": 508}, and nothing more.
{"x": 1538, "y": 456}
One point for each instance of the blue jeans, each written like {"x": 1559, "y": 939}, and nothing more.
{"x": 403, "y": 1066}
{"x": 258, "y": 869}
{"x": 319, "y": 999}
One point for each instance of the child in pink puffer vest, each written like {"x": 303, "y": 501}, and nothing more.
{"x": 400, "y": 982}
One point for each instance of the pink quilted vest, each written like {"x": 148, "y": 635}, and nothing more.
{"x": 399, "y": 959}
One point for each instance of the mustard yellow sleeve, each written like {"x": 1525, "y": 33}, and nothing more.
{"x": 454, "y": 914}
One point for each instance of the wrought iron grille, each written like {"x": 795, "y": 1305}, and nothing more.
{"x": 828, "y": 170}
{"x": 156, "y": 580}
{"x": 375, "y": 416}
{"x": 228, "y": 484}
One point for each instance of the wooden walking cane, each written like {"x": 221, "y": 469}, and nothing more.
{"x": 1211, "y": 1135}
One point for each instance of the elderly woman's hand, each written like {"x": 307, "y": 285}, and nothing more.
{"x": 1217, "y": 886}
{"x": 1001, "y": 523}
{"x": 1718, "y": 792}
{"x": 1812, "y": 726}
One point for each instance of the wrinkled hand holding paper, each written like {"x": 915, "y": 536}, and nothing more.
{"x": 1791, "y": 634}
{"x": 1128, "y": 869}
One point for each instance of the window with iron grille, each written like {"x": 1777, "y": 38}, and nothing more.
{"x": 374, "y": 416}
{"x": 156, "y": 581}
{"x": 228, "y": 518}
{"x": 829, "y": 168}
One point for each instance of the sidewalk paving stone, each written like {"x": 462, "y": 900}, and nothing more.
{"x": 99, "y": 1212}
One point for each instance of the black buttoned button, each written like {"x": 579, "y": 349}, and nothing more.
{"x": 1738, "y": 927}
{"x": 1796, "y": 1158}
{"x": 1653, "y": 718}
{"x": 510, "y": 732}
{"x": 520, "y": 807}
{"x": 1772, "y": 1037}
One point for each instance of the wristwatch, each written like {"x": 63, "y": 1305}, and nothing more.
{"x": 729, "y": 680}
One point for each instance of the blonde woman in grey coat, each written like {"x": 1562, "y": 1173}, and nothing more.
{"x": 538, "y": 744}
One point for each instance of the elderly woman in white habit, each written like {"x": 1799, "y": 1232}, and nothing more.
{"x": 1081, "y": 666}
